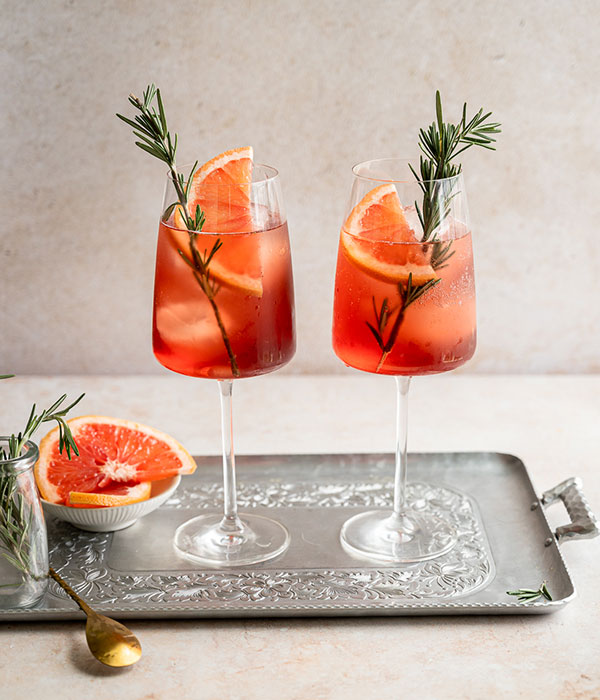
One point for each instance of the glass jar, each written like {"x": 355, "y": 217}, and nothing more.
{"x": 23, "y": 539}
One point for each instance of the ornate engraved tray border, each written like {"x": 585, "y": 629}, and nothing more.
{"x": 502, "y": 545}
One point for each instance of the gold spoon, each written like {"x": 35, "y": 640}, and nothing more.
{"x": 109, "y": 641}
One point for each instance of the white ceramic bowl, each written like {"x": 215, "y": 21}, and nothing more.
{"x": 114, "y": 517}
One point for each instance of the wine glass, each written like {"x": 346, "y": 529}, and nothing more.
{"x": 404, "y": 305}
{"x": 224, "y": 310}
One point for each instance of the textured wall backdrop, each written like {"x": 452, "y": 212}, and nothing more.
{"x": 315, "y": 87}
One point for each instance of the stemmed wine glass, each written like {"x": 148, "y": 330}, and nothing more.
{"x": 224, "y": 310}
{"x": 404, "y": 305}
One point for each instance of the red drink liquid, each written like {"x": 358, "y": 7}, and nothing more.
{"x": 255, "y": 300}
{"x": 437, "y": 332}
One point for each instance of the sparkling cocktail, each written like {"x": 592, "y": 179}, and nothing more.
{"x": 437, "y": 332}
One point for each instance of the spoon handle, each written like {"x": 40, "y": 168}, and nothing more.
{"x": 65, "y": 586}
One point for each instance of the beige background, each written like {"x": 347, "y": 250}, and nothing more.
{"x": 314, "y": 87}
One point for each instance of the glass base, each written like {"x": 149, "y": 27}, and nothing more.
{"x": 21, "y": 594}
{"x": 212, "y": 540}
{"x": 411, "y": 537}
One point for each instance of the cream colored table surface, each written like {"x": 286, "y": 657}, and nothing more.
{"x": 552, "y": 423}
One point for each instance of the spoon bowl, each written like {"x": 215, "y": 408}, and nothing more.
{"x": 110, "y": 642}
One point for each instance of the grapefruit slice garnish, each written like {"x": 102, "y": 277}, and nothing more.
{"x": 112, "y": 452}
{"x": 378, "y": 239}
{"x": 115, "y": 496}
{"x": 221, "y": 189}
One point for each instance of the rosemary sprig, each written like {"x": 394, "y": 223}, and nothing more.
{"x": 200, "y": 268}
{"x": 408, "y": 295}
{"x": 15, "y": 515}
{"x": 527, "y": 595}
{"x": 440, "y": 144}
{"x": 150, "y": 126}
{"x": 56, "y": 412}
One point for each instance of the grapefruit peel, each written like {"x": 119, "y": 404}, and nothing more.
{"x": 125, "y": 496}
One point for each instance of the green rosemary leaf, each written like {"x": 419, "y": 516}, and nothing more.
{"x": 377, "y": 336}
{"x": 440, "y": 254}
{"x": 476, "y": 140}
{"x": 135, "y": 125}
{"x": 492, "y": 128}
{"x": 161, "y": 111}
{"x": 438, "y": 109}
{"x": 189, "y": 180}
{"x": 147, "y": 139}
{"x": 56, "y": 404}
{"x": 377, "y": 315}
{"x": 151, "y": 150}
{"x": 30, "y": 420}
{"x": 185, "y": 258}
{"x": 545, "y": 591}
{"x": 215, "y": 249}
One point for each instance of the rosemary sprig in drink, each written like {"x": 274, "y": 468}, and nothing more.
{"x": 150, "y": 126}
{"x": 15, "y": 515}
{"x": 385, "y": 314}
{"x": 200, "y": 264}
{"x": 440, "y": 144}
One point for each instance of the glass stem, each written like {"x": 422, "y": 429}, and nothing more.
{"x": 401, "y": 521}
{"x": 230, "y": 523}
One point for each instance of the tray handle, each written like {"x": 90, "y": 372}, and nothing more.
{"x": 584, "y": 524}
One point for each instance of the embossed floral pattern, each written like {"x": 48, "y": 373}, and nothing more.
{"x": 466, "y": 568}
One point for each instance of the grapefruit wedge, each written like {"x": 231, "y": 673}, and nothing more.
{"x": 112, "y": 453}
{"x": 221, "y": 188}
{"x": 377, "y": 238}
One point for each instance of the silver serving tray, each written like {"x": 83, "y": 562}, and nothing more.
{"x": 504, "y": 543}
